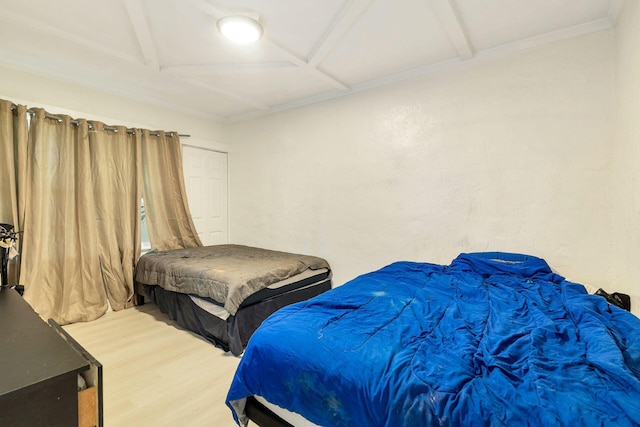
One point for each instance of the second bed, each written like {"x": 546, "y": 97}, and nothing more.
{"x": 224, "y": 292}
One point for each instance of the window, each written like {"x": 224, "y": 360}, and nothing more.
{"x": 144, "y": 232}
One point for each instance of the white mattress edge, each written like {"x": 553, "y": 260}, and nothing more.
{"x": 210, "y": 307}
{"x": 220, "y": 312}
{"x": 300, "y": 276}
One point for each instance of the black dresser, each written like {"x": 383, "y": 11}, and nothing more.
{"x": 39, "y": 371}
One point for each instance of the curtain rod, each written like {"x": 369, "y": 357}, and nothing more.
{"x": 76, "y": 122}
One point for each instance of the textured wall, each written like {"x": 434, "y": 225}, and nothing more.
{"x": 626, "y": 152}
{"x": 510, "y": 154}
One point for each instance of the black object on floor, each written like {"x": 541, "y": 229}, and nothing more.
{"x": 616, "y": 298}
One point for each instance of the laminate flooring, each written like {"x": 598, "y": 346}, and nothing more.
{"x": 156, "y": 373}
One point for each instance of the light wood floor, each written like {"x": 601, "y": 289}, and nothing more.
{"x": 156, "y": 374}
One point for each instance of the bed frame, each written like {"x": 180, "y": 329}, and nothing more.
{"x": 232, "y": 334}
{"x": 263, "y": 416}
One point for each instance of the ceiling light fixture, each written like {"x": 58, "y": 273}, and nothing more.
{"x": 240, "y": 28}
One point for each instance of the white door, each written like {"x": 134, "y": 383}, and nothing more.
{"x": 205, "y": 175}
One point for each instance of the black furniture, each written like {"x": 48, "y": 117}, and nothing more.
{"x": 39, "y": 372}
{"x": 5, "y": 235}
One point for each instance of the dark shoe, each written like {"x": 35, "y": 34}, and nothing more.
{"x": 617, "y": 299}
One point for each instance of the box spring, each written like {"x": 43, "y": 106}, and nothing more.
{"x": 233, "y": 333}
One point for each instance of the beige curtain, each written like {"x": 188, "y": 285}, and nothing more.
{"x": 60, "y": 253}
{"x": 168, "y": 217}
{"x": 117, "y": 178}
{"x": 13, "y": 146}
{"x": 82, "y": 222}
{"x": 74, "y": 189}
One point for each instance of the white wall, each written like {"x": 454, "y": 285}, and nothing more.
{"x": 510, "y": 154}
{"x": 626, "y": 152}
{"x": 62, "y": 98}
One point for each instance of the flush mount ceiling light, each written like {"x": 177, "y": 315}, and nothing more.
{"x": 242, "y": 29}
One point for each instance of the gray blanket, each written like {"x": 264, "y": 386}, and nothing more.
{"x": 227, "y": 274}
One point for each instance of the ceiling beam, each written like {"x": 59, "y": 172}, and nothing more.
{"x": 614, "y": 11}
{"x": 209, "y": 9}
{"x": 49, "y": 30}
{"x": 347, "y": 17}
{"x": 450, "y": 20}
{"x": 143, "y": 33}
{"x": 242, "y": 99}
{"x": 304, "y": 64}
{"x": 204, "y": 69}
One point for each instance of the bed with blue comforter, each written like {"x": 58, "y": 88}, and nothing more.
{"x": 492, "y": 339}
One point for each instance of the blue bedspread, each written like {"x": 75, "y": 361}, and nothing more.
{"x": 492, "y": 339}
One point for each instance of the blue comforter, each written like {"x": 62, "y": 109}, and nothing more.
{"x": 492, "y": 339}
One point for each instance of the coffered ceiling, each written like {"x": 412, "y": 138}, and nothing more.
{"x": 169, "y": 53}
